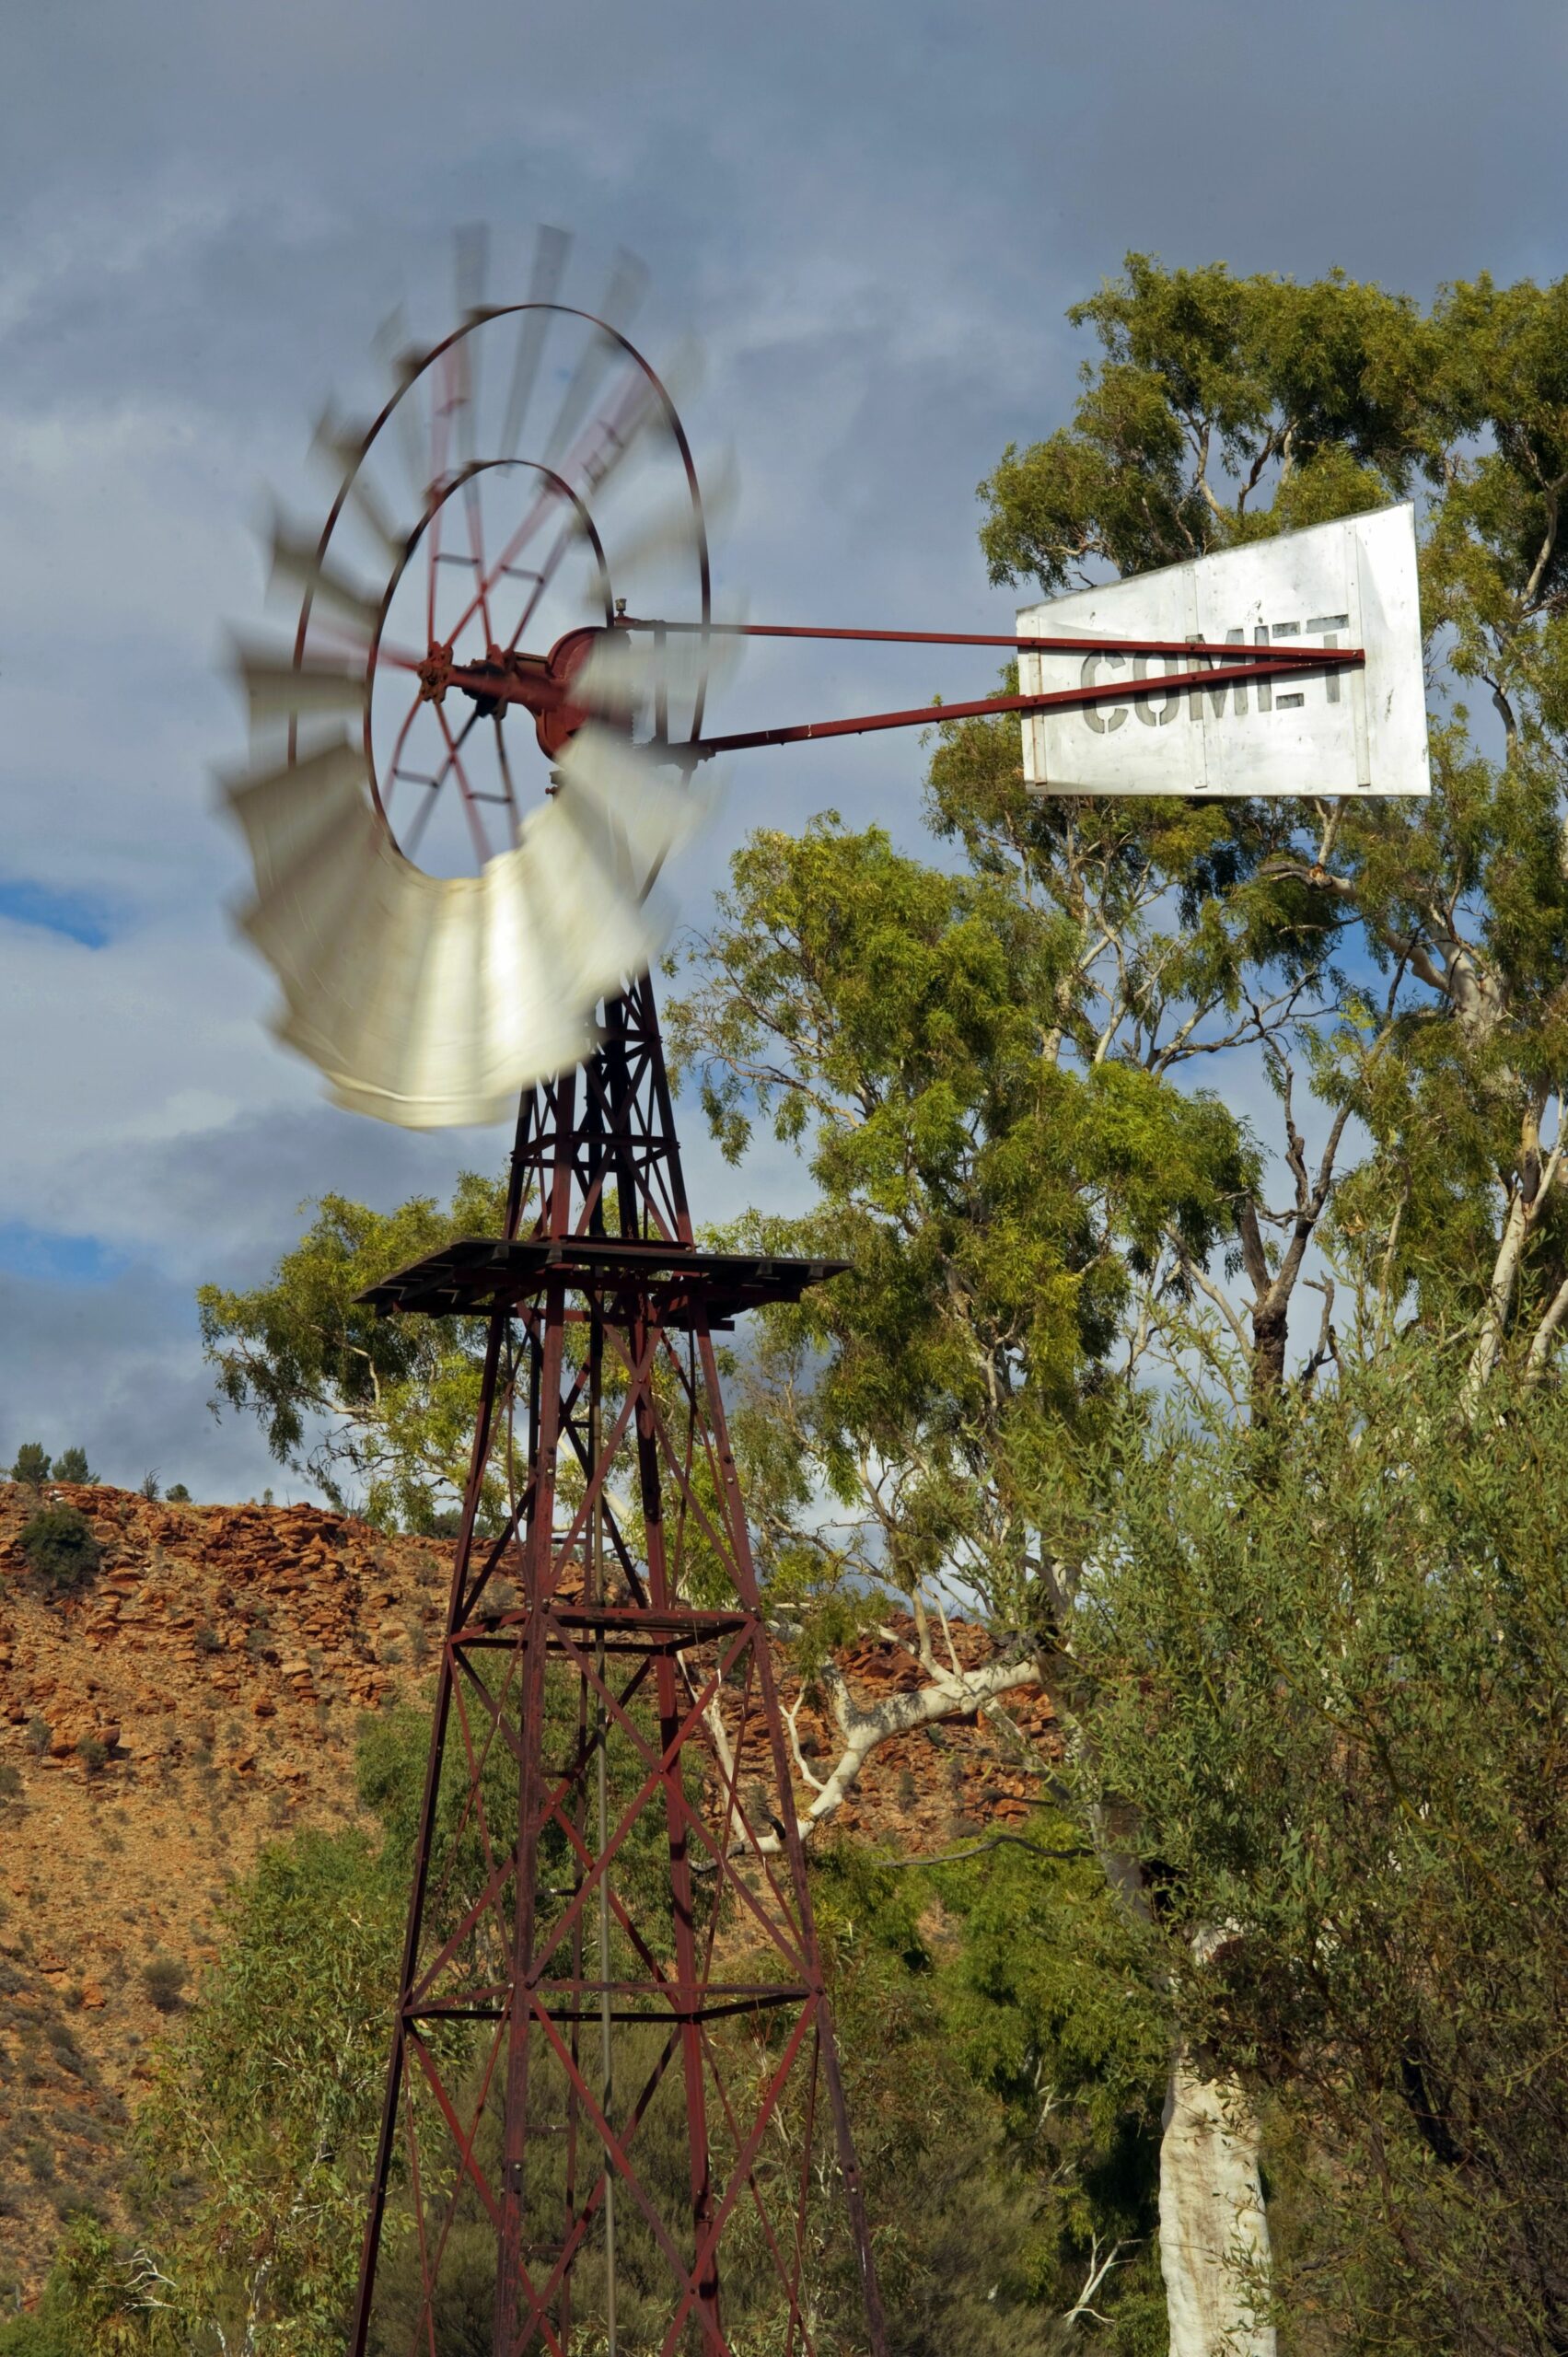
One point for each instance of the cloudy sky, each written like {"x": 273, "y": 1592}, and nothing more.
{"x": 874, "y": 216}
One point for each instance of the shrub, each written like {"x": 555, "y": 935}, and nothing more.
{"x": 32, "y": 1465}
{"x": 93, "y": 1754}
{"x": 164, "y": 1977}
{"x": 38, "y": 1733}
{"x": 39, "y": 2336}
{"x": 75, "y": 2201}
{"x": 177, "y": 1494}
{"x": 207, "y": 1640}
{"x": 10, "y": 1780}
{"x": 59, "y": 1545}
{"x": 71, "y": 1465}
{"x": 150, "y": 1484}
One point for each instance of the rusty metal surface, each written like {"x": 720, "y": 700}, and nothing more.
{"x": 475, "y": 1275}
{"x": 533, "y": 1920}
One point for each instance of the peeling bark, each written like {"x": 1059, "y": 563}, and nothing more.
{"x": 1213, "y": 2231}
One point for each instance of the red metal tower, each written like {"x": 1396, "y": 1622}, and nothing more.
{"x": 612, "y": 2029}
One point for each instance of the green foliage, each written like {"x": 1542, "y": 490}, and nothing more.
{"x": 1334, "y": 1682}
{"x": 71, "y": 1465}
{"x": 1053, "y": 2008}
{"x": 1005, "y": 2067}
{"x": 1320, "y": 397}
{"x": 31, "y": 1467}
{"x": 43, "y": 2335}
{"x": 60, "y": 1549}
{"x": 994, "y": 1202}
{"x": 383, "y": 1404}
{"x": 115, "y": 2304}
{"x": 177, "y": 1494}
{"x": 252, "y": 2146}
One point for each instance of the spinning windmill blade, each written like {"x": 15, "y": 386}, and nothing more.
{"x": 278, "y": 689}
{"x": 433, "y": 999}
{"x": 551, "y": 249}
{"x": 622, "y": 297}
{"x": 665, "y": 533}
{"x": 340, "y": 445}
{"x": 402, "y": 360}
{"x": 297, "y": 564}
{"x": 626, "y": 675}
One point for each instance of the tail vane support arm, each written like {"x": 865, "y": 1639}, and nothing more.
{"x": 1242, "y": 663}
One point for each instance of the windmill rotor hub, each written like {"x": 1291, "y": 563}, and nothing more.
{"x": 435, "y": 674}
{"x": 539, "y": 684}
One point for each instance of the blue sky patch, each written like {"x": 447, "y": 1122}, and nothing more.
{"x": 80, "y": 917}
{"x": 52, "y": 1257}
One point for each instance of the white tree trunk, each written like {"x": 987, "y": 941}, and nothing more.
{"x": 1214, "y": 2232}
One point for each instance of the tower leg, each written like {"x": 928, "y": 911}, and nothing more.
{"x": 570, "y": 1733}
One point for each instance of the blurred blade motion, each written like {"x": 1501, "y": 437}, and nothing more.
{"x": 454, "y": 691}
{"x": 431, "y": 1000}
{"x": 297, "y": 564}
{"x": 551, "y": 249}
{"x": 277, "y": 688}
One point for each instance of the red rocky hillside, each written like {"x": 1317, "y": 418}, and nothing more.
{"x": 199, "y": 1699}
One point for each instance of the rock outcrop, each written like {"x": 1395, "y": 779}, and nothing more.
{"x": 201, "y": 1696}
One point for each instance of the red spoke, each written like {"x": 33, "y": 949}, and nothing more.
{"x": 547, "y": 572}
{"x": 471, "y": 500}
{"x": 476, "y": 827}
{"x": 554, "y": 491}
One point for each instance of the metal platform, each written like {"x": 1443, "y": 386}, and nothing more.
{"x": 478, "y": 1274}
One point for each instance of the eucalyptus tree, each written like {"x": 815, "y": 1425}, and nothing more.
{"x": 1028, "y": 1159}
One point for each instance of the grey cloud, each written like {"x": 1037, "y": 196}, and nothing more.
{"x": 117, "y": 1367}
{"x": 875, "y": 217}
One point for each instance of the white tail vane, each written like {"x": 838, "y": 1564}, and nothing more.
{"x": 1350, "y": 583}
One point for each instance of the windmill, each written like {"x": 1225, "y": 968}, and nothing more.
{"x": 614, "y": 2074}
